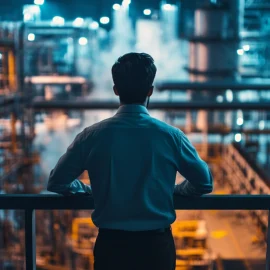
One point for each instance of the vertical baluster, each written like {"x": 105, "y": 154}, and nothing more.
{"x": 30, "y": 239}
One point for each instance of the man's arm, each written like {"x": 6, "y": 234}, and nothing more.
{"x": 199, "y": 179}
{"x": 62, "y": 178}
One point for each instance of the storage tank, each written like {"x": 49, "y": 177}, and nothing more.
{"x": 211, "y": 22}
{"x": 213, "y": 48}
{"x": 214, "y": 56}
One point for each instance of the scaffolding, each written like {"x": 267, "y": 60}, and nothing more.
{"x": 16, "y": 123}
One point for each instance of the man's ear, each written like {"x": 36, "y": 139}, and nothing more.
{"x": 150, "y": 91}
{"x": 115, "y": 90}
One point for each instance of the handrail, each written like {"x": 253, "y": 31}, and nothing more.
{"x": 251, "y": 84}
{"x": 42, "y": 104}
{"x": 31, "y": 202}
{"x": 79, "y": 202}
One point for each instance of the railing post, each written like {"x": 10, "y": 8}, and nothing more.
{"x": 268, "y": 244}
{"x": 30, "y": 239}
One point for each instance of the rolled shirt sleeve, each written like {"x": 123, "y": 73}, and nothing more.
{"x": 198, "y": 178}
{"x": 63, "y": 178}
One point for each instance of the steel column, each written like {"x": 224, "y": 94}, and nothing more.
{"x": 30, "y": 239}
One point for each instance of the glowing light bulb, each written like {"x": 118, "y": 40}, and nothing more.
{"x": 104, "y": 20}
{"x": 147, "y": 12}
{"x": 83, "y": 41}
{"x": 39, "y": 2}
{"x": 240, "y": 51}
{"x": 238, "y": 137}
{"x": 78, "y": 22}
{"x": 116, "y": 6}
{"x": 31, "y": 37}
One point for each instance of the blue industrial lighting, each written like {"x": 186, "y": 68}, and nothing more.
{"x": 39, "y": 2}
{"x": 32, "y": 9}
{"x": 104, "y": 20}
{"x": 78, "y": 22}
{"x": 147, "y": 12}
{"x": 261, "y": 125}
{"x": 94, "y": 25}
{"x": 168, "y": 7}
{"x": 246, "y": 48}
{"x": 116, "y": 6}
{"x": 31, "y": 37}
{"x": 240, "y": 121}
{"x": 238, "y": 137}
{"x": 57, "y": 20}
{"x": 31, "y": 13}
{"x": 126, "y": 3}
{"x": 229, "y": 95}
{"x": 219, "y": 98}
{"x": 83, "y": 41}
{"x": 240, "y": 51}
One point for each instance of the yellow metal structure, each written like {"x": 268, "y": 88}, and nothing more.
{"x": 75, "y": 238}
{"x": 191, "y": 252}
{"x": 186, "y": 224}
{"x": 8, "y": 74}
{"x": 191, "y": 244}
{"x": 12, "y": 71}
{"x": 190, "y": 228}
{"x": 13, "y": 133}
{"x": 75, "y": 227}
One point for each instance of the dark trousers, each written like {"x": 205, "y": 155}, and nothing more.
{"x": 120, "y": 250}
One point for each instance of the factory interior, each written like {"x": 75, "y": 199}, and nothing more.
{"x": 212, "y": 82}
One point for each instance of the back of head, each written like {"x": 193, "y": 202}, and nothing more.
{"x": 133, "y": 75}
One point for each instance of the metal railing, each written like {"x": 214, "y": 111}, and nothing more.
{"x": 82, "y": 104}
{"x": 30, "y": 203}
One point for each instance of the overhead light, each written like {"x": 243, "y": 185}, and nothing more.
{"x": 27, "y": 16}
{"x": 94, "y": 25}
{"x": 261, "y": 125}
{"x": 240, "y": 121}
{"x": 240, "y": 51}
{"x": 83, "y": 41}
{"x": 246, "y": 48}
{"x": 126, "y": 3}
{"x": 229, "y": 95}
{"x": 31, "y": 13}
{"x": 168, "y": 7}
{"x": 147, "y": 12}
{"x": 104, "y": 20}
{"x": 34, "y": 9}
{"x": 39, "y": 2}
{"x": 57, "y": 20}
{"x": 116, "y": 6}
{"x": 78, "y": 22}
{"x": 238, "y": 137}
{"x": 31, "y": 37}
{"x": 219, "y": 98}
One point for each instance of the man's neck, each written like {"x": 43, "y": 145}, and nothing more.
{"x": 142, "y": 104}
{"x": 145, "y": 104}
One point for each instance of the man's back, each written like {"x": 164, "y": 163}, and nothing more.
{"x": 132, "y": 164}
{"x": 132, "y": 160}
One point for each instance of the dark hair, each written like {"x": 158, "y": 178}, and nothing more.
{"x": 133, "y": 75}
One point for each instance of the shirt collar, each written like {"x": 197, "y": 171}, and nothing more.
{"x": 132, "y": 108}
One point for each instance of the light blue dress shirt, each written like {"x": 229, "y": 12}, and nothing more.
{"x": 132, "y": 160}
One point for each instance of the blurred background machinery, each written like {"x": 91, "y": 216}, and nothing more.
{"x": 210, "y": 52}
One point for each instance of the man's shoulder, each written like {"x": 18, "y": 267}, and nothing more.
{"x": 99, "y": 125}
{"x": 165, "y": 127}
{"x": 113, "y": 122}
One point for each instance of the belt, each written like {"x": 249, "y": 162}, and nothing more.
{"x": 163, "y": 230}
